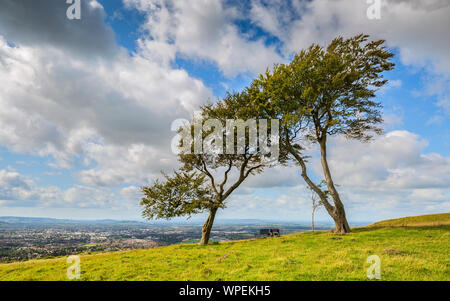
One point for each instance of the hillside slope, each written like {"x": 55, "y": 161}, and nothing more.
{"x": 416, "y": 221}
{"x": 406, "y": 254}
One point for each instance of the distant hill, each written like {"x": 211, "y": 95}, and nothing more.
{"x": 32, "y": 220}
{"x": 13, "y": 220}
{"x": 416, "y": 221}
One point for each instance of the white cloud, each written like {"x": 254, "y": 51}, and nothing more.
{"x": 132, "y": 194}
{"x": 13, "y": 186}
{"x": 18, "y": 190}
{"x": 395, "y": 83}
{"x": 277, "y": 176}
{"x": 202, "y": 30}
{"x": 108, "y": 112}
{"x": 417, "y": 28}
{"x": 109, "y": 116}
{"x": 429, "y": 194}
{"x": 32, "y": 23}
{"x": 282, "y": 203}
{"x": 392, "y": 161}
{"x": 444, "y": 103}
{"x": 86, "y": 197}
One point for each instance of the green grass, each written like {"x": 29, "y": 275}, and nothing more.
{"x": 416, "y": 221}
{"x": 415, "y": 253}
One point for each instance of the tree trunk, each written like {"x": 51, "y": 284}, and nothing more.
{"x": 312, "y": 220}
{"x": 308, "y": 181}
{"x": 338, "y": 215}
{"x": 337, "y": 212}
{"x": 206, "y": 230}
{"x": 340, "y": 221}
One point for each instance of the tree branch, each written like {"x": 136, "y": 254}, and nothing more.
{"x": 206, "y": 171}
{"x": 230, "y": 165}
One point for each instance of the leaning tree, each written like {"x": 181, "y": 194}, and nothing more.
{"x": 212, "y": 170}
{"x": 325, "y": 92}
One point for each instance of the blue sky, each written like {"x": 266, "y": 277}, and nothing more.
{"x": 88, "y": 103}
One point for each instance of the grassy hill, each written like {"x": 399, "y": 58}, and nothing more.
{"x": 416, "y": 221}
{"x": 410, "y": 253}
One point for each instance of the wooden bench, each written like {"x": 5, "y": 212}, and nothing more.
{"x": 269, "y": 232}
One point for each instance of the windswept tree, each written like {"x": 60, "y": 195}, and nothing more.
{"x": 325, "y": 92}
{"x": 213, "y": 170}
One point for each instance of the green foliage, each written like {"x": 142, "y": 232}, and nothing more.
{"x": 232, "y": 107}
{"x": 217, "y": 167}
{"x": 327, "y": 91}
{"x": 182, "y": 194}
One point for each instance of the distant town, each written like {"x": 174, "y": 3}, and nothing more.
{"x": 30, "y": 238}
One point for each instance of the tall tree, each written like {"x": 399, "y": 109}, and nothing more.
{"x": 325, "y": 92}
{"x": 208, "y": 177}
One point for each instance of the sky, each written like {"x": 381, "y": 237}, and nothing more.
{"x": 86, "y": 105}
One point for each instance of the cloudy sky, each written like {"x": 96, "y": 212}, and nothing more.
{"x": 86, "y": 105}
